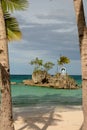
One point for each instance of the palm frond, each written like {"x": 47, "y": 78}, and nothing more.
{"x": 12, "y": 5}
{"x": 12, "y": 28}
{"x": 13, "y": 35}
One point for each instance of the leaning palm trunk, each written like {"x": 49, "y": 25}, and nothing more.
{"x": 6, "y": 104}
{"x": 82, "y": 32}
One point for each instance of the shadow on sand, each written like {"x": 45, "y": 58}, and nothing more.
{"x": 37, "y": 118}
{"x": 39, "y": 111}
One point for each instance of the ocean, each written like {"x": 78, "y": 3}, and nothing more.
{"x": 41, "y": 96}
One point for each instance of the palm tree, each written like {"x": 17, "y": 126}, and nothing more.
{"x": 82, "y": 32}
{"x": 63, "y": 60}
{"x": 6, "y": 119}
{"x": 38, "y": 63}
{"x": 12, "y": 27}
{"x": 48, "y": 65}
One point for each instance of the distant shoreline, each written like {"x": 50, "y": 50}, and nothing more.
{"x": 31, "y": 74}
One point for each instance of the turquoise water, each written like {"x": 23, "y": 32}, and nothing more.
{"x": 36, "y": 96}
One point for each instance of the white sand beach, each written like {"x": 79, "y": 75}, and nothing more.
{"x": 48, "y": 118}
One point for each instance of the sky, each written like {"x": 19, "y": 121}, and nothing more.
{"x": 49, "y": 30}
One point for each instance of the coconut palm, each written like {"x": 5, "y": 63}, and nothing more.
{"x": 82, "y": 32}
{"x": 8, "y": 25}
{"x": 48, "y": 65}
{"x": 38, "y": 63}
{"x": 63, "y": 60}
{"x": 12, "y": 27}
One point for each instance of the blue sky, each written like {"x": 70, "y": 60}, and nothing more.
{"x": 49, "y": 29}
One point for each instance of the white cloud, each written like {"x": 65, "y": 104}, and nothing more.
{"x": 65, "y": 30}
{"x": 46, "y": 20}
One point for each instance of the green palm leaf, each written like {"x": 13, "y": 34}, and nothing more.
{"x": 11, "y": 5}
{"x": 12, "y": 28}
{"x": 63, "y": 60}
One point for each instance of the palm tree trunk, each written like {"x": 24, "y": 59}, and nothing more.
{"x": 6, "y": 119}
{"x": 82, "y": 32}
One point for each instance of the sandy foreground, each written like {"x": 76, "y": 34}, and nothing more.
{"x": 48, "y": 118}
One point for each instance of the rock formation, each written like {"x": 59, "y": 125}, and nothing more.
{"x": 42, "y": 78}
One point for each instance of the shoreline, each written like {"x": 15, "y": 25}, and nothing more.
{"x": 48, "y": 118}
